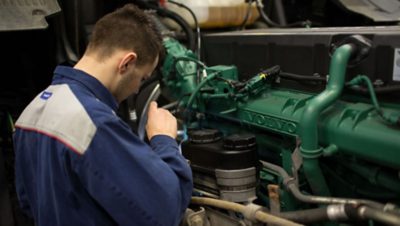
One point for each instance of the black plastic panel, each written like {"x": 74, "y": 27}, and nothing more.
{"x": 302, "y": 51}
{"x": 213, "y": 155}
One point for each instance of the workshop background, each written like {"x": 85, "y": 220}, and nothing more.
{"x": 275, "y": 58}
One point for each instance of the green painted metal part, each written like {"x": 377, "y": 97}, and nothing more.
{"x": 354, "y": 127}
{"x": 327, "y": 124}
{"x": 182, "y": 62}
{"x": 308, "y": 130}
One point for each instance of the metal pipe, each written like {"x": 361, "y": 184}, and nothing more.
{"x": 331, "y": 212}
{"x": 309, "y": 120}
{"x": 329, "y": 200}
{"x": 378, "y": 215}
{"x": 258, "y": 214}
{"x": 290, "y": 184}
{"x": 306, "y": 216}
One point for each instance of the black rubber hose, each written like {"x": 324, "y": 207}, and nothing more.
{"x": 359, "y": 89}
{"x": 182, "y": 23}
{"x": 271, "y": 23}
{"x": 163, "y": 12}
{"x": 196, "y": 24}
{"x": 298, "y": 77}
{"x": 306, "y": 216}
{"x": 379, "y": 90}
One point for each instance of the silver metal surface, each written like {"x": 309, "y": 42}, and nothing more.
{"x": 26, "y": 15}
{"x": 235, "y": 173}
{"x": 336, "y": 212}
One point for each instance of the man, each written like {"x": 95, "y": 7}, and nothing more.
{"x": 77, "y": 163}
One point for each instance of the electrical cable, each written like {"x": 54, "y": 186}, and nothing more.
{"x": 247, "y": 16}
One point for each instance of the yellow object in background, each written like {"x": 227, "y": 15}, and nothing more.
{"x": 216, "y": 13}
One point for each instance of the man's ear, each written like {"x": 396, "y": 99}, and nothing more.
{"x": 128, "y": 59}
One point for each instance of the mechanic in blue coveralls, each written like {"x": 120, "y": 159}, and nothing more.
{"x": 77, "y": 163}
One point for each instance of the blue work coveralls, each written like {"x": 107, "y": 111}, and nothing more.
{"x": 78, "y": 163}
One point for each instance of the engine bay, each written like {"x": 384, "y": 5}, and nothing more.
{"x": 284, "y": 123}
{"x": 314, "y": 145}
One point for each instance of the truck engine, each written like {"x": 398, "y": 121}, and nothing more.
{"x": 311, "y": 138}
{"x": 280, "y": 126}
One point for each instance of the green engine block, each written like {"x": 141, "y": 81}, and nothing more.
{"x": 339, "y": 145}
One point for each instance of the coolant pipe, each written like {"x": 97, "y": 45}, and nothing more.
{"x": 308, "y": 128}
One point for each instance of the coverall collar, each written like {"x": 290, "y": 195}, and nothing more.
{"x": 90, "y": 82}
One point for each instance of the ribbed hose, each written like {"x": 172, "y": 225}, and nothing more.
{"x": 259, "y": 215}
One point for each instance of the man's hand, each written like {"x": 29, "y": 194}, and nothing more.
{"x": 160, "y": 122}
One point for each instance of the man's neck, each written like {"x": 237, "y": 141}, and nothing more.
{"x": 96, "y": 68}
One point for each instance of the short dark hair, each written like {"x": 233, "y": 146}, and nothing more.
{"x": 127, "y": 28}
